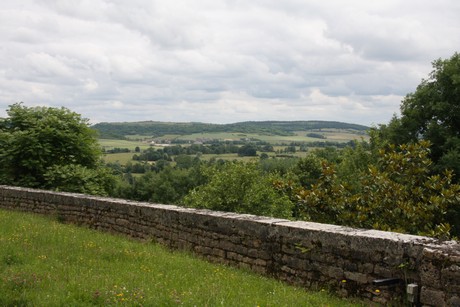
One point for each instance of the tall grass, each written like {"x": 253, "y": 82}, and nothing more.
{"x": 46, "y": 263}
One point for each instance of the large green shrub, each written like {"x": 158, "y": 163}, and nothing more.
{"x": 240, "y": 187}
{"x": 54, "y": 148}
{"x": 396, "y": 194}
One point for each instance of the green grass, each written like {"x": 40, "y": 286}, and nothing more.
{"x": 131, "y": 145}
{"x": 47, "y": 263}
{"x": 228, "y": 156}
{"x": 332, "y": 135}
{"x": 122, "y": 157}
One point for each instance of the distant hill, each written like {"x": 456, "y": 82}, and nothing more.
{"x": 158, "y": 129}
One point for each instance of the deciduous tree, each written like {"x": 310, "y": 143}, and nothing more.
{"x": 47, "y": 147}
{"x": 432, "y": 113}
{"x": 396, "y": 194}
{"x": 240, "y": 187}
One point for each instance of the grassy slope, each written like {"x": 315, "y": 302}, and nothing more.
{"x": 45, "y": 263}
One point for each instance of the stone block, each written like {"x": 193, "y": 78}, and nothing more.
{"x": 432, "y": 297}
{"x": 334, "y": 272}
{"x": 366, "y": 268}
{"x": 454, "y": 301}
{"x": 260, "y": 262}
{"x": 451, "y": 275}
{"x": 430, "y": 275}
{"x": 358, "y": 277}
{"x": 383, "y": 271}
{"x": 218, "y": 252}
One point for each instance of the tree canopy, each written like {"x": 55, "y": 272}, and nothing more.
{"x": 432, "y": 113}
{"x": 396, "y": 194}
{"x": 46, "y": 147}
{"x": 240, "y": 187}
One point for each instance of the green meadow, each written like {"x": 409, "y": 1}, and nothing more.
{"x": 122, "y": 157}
{"x": 279, "y": 142}
{"x": 46, "y": 263}
{"x": 331, "y": 134}
{"x": 130, "y": 144}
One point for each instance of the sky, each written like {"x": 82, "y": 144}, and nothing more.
{"x": 222, "y": 61}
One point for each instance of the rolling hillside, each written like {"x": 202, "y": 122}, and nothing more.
{"x": 158, "y": 129}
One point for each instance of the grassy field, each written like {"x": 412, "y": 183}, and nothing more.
{"x": 126, "y": 157}
{"x": 133, "y": 141}
{"x": 122, "y": 158}
{"x": 46, "y": 263}
{"x": 332, "y": 135}
{"x": 131, "y": 145}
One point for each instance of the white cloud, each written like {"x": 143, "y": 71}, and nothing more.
{"x": 222, "y": 61}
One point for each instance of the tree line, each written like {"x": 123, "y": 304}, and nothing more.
{"x": 404, "y": 179}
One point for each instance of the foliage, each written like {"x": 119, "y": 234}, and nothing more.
{"x": 151, "y": 154}
{"x": 136, "y": 167}
{"x": 431, "y": 113}
{"x": 239, "y": 187}
{"x": 401, "y": 195}
{"x": 267, "y": 148}
{"x": 247, "y": 150}
{"x": 185, "y": 161}
{"x": 276, "y": 165}
{"x": 39, "y": 144}
{"x": 354, "y": 161}
{"x": 397, "y": 194}
{"x": 308, "y": 170}
{"x": 329, "y": 153}
{"x": 326, "y": 200}
{"x": 81, "y": 179}
{"x": 264, "y": 156}
{"x": 316, "y": 135}
{"x": 118, "y": 150}
{"x": 167, "y": 186}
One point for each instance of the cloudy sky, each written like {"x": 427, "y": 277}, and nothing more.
{"x": 222, "y": 61}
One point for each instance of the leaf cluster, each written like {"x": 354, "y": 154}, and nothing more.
{"x": 240, "y": 187}
{"x": 44, "y": 147}
{"x": 395, "y": 194}
{"x": 430, "y": 113}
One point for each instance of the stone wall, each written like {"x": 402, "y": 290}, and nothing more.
{"x": 370, "y": 264}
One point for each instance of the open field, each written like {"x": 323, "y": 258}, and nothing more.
{"x": 279, "y": 142}
{"x": 126, "y": 157}
{"x": 122, "y": 157}
{"x": 332, "y": 135}
{"x": 336, "y": 135}
{"x": 230, "y": 157}
{"x": 131, "y": 145}
{"x": 46, "y": 263}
